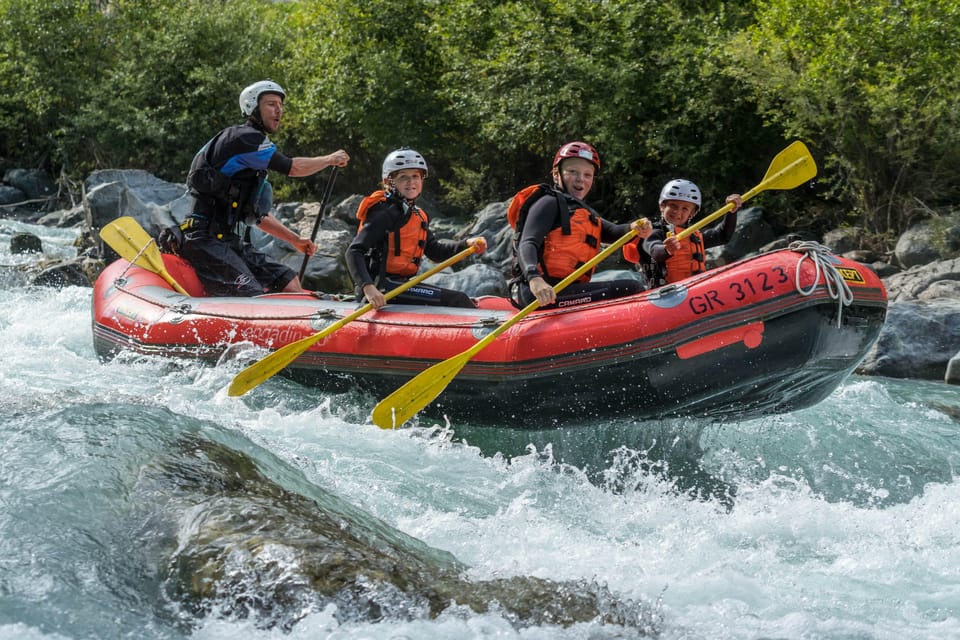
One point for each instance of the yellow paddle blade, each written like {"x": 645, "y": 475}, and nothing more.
{"x": 264, "y": 369}
{"x": 790, "y": 168}
{"x": 409, "y": 399}
{"x": 404, "y": 403}
{"x": 134, "y": 244}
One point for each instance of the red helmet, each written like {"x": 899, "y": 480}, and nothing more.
{"x": 577, "y": 150}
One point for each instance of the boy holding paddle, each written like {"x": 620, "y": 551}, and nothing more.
{"x": 560, "y": 232}
{"x": 667, "y": 258}
{"x": 394, "y": 236}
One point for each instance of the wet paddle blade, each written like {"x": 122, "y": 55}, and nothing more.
{"x": 264, "y": 369}
{"x": 134, "y": 244}
{"x": 408, "y": 400}
{"x": 792, "y": 167}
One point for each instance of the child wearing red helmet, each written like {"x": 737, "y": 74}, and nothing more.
{"x": 561, "y": 233}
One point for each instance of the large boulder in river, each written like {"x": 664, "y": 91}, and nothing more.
{"x": 922, "y": 330}
{"x": 153, "y": 202}
{"x": 309, "y": 552}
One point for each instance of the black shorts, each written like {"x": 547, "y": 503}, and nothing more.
{"x": 427, "y": 294}
{"x": 578, "y": 292}
{"x": 230, "y": 267}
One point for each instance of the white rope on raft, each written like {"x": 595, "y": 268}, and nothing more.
{"x": 837, "y": 287}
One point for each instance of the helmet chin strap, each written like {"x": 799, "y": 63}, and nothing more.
{"x": 256, "y": 120}
{"x": 393, "y": 191}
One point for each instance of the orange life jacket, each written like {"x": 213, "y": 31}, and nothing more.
{"x": 690, "y": 259}
{"x": 521, "y": 201}
{"x": 564, "y": 253}
{"x": 405, "y": 245}
{"x": 573, "y": 243}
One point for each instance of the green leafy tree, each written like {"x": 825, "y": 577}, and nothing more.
{"x": 50, "y": 54}
{"x": 638, "y": 80}
{"x": 874, "y": 86}
{"x": 365, "y": 74}
{"x": 175, "y": 80}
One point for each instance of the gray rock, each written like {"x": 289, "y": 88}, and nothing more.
{"x": 64, "y": 274}
{"x": 139, "y": 194}
{"x": 952, "y": 238}
{"x": 346, "y": 210}
{"x": 952, "y": 375}
{"x": 916, "y": 247}
{"x": 33, "y": 182}
{"x": 844, "y": 239}
{"x": 914, "y": 283}
{"x": 753, "y": 232}
{"x": 25, "y": 243}
{"x": 917, "y": 341}
{"x": 884, "y": 269}
{"x": 11, "y": 195}
{"x": 475, "y": 279}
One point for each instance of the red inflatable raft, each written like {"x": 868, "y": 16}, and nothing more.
{"x": 764, "y": 335}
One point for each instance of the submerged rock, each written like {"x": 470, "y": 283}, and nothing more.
{"x": 25, "y": 243}
{"x": 248, "y": 548}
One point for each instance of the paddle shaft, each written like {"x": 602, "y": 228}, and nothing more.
{"x": 788, "y": 177}
{"x": 327, "y": 191}
{"x": 408, "y": 400}
{"x": 275, "y": 362}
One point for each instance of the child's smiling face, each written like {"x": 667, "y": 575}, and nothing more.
{"x": 577, "y": 176}
{"x": 677, "y": 212}
{"x": 408, "y": 182}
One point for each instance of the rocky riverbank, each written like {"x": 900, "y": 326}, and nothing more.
{"x": 920, "y": 340}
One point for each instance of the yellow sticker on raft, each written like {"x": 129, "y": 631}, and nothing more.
{"x": 851, "y": 275}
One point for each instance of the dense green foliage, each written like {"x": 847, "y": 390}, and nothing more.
{"x": 874, "y": 86}
{"x": 488, "y": 89}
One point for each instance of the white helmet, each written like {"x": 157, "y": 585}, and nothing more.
{"x": 250, "y": 96}
{"x": 681, "y": 190}
{"x": 403, "y": 158}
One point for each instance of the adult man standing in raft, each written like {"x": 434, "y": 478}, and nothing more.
{"x": 228, "y": 182}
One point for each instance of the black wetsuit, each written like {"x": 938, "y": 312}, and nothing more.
{"x": 366, "y": 257}
{"x": 214, "y": 243}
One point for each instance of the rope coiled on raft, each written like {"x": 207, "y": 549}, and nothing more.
{"x": 821, "y": 256}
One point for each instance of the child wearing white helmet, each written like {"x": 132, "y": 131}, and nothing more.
{"x": 394, "y": 236}
{"x": 668, "y": 259}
